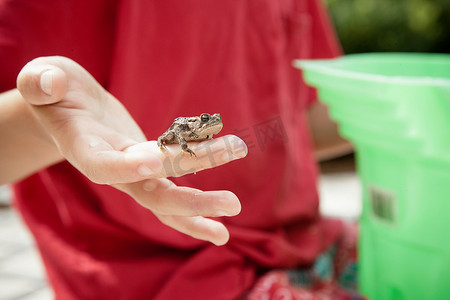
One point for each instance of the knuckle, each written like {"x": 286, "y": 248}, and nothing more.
{"x": 194, "y": 204}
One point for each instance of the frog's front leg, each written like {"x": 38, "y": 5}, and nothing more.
{"x": 184, "y": 146}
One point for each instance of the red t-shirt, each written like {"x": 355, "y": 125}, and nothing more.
{"x": 165, "y": 59}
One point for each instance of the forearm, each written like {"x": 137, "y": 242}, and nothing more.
{"x": 25, "y": 147}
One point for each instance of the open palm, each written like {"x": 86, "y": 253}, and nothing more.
{"x": 96, "y": 134}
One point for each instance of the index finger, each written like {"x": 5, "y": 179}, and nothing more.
{"x": 209, "y": 154}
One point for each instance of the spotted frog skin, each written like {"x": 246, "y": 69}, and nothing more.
{"x": 185, "y": 129}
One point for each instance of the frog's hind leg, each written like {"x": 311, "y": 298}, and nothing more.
{"x": 185, "y": 148}
{"x": 161, "y": 144}
{"x": 164, "y": 139}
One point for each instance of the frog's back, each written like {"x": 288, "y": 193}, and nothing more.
{"x": 178, "y": 122}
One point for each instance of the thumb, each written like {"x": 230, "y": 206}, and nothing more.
{"x": 42, "y": 84}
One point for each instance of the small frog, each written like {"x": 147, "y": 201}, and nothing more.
{"x": 185, "y": 129}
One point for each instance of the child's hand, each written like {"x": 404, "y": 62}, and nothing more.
{"x": 95, "y": 133}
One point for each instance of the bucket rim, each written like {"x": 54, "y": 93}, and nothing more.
{"x": 332, "y": 67}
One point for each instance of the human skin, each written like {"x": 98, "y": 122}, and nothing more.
{"x": 60, "y": 112}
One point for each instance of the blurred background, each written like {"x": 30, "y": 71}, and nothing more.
{"x": 392, "y": 25}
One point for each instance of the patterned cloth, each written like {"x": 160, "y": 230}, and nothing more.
{"x": 333, "y": 276}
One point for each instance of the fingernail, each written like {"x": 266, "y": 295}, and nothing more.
{"x": 222, "y": 213}
{"x": 240, "y": 149}
{"x": 218, "y": 244}
{"x": 47, "y": 82}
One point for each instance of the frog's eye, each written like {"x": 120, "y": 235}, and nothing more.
{"x": 205, "y": 117}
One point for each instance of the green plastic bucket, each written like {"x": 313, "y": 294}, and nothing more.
{"x": 395, "y": 109}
